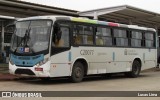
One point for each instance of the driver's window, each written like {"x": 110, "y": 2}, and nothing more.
{"x": 63, "y": 41}
{"x": 60, "y": 38}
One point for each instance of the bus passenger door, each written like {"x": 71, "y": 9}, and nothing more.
{"x": 60, "y": 51}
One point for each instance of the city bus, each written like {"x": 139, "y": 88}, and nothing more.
{"x": 74, "y": 47}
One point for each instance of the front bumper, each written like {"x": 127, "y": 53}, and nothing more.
{"x": 30, "y": 71}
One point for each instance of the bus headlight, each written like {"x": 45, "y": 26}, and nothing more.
{"x": 11, "y": 62}
{"x": 43, "y": 62}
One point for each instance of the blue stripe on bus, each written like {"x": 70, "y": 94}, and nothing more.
{"x": 113, "y": 56}
{"x": 69, "y": 56}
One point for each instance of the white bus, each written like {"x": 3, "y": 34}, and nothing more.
{"x": 62, "y": 46}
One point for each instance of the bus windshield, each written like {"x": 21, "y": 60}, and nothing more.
{"x": 31, "y": 36}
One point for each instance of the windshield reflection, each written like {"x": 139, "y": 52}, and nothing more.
{"x": 31, "y": 36}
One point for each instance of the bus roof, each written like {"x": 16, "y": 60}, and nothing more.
{"x": 111, "y": 24}
{"x": 86, "y": 20}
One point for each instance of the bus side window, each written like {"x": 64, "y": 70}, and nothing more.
{"x": 83, "y": 35}
{"x": 99, "y": 40}
{"x": 76, "y": 35}
{"x": 103, "y": 36}
{"x": 77, "y": 39}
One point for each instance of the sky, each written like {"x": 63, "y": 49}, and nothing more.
{"x": 83, "y": 5}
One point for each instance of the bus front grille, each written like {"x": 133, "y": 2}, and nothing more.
{"x": 23, "y": 66}
{"x": 24, "y": 71}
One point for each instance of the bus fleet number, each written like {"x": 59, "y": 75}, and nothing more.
{"x": 87, "y": 52}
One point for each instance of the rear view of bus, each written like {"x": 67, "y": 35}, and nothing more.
{"x": 30, "y": 48}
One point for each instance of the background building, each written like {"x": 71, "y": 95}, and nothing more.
{"x": 10, "y": 10}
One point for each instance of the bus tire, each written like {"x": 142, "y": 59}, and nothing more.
{"x": 77, "y": 72}
{"x": 136, "y": 68}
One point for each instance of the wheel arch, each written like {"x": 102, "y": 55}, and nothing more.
{"x": 139, "y": 60}
{"x": 84, "y": 62}
{"x": 134, "y": 73}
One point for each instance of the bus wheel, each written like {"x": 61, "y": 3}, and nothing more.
{"x": 136, "y": 68}
{"x": 77, "y": 72}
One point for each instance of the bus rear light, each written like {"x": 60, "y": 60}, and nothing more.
{"x": 11, "y": 62}
{"x": 38, "y": 69}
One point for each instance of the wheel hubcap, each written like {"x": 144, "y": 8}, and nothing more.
{"x": 78, "y": 72}
{"x": 136, "y": 69}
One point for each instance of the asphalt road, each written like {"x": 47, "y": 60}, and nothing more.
{"x": 148, "y": 81}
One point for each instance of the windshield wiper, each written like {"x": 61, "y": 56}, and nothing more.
{"x": 25, "y": 39}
